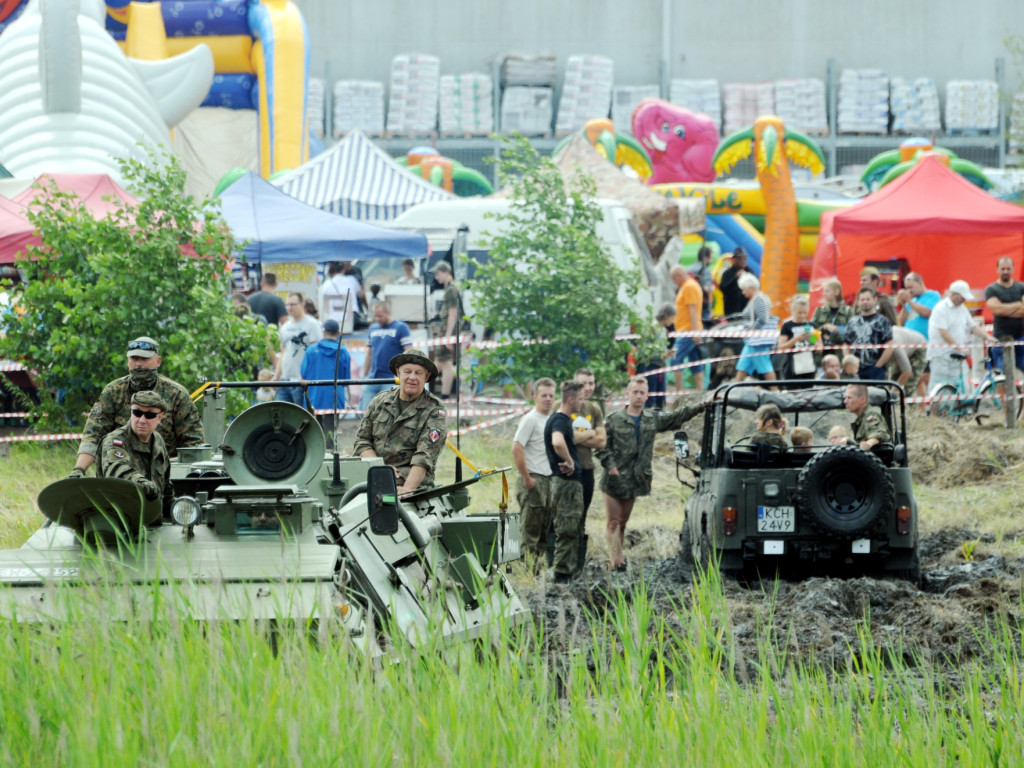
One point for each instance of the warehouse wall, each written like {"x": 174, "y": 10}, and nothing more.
{"x": 727, "y": 40}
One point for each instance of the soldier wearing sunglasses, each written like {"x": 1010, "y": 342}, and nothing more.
{"x": 136, "y": 451}
{"x": 180, "y": 426}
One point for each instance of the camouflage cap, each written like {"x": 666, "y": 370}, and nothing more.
{"x": 143, "y": 347}
{"x": 416, "y": 357}
{"x": 149, "y": 399}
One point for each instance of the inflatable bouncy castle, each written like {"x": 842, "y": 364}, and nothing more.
{"x": 260, "y": 53}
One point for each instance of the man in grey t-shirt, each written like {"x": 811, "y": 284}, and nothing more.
{"x": 301, "y": 331}
{"x": 531, "y": 460}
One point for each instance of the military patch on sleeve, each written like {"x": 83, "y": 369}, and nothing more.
{"x": 119, "y": 454}
{"x": 117, "y": 442}
{"x": 434, "y": 435}
{"x": 441, "y": 412}
{"x": 870, "y": 419}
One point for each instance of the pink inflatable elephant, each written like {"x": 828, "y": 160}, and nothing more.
{"x": 680, "y": 143}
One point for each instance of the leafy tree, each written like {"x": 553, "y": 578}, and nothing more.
{"x": 160, "y": 268}
{"x": 550, "y": 277}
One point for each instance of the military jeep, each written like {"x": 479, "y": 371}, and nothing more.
{"x": 761, "y": 509}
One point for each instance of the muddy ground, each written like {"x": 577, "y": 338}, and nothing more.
{"x": 970, "y": 577}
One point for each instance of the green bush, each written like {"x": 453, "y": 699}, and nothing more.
{"x": 161, "y": 268}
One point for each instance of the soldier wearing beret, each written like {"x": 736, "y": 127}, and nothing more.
{"x": 406, "y": 426}
{"x": 136, "y": 451}
{"x": 869, "y": 428}
{"x": 180, "y": 425}
{"x": 627, "y": 457}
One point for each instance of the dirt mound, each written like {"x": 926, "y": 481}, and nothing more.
{"x": 821, "y": 621}
{"x": 947, "y": 455}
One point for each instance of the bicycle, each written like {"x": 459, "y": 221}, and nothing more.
{"x": 954, "y": 401}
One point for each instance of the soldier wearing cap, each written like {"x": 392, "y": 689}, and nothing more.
{"x": 136, "y": 452}
{"x": 451, "y": 323}
{"x": 406, "y": 426}
{"x": 180, "y": 426}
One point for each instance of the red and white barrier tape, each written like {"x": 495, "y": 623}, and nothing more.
{"x": 487, "y": 424}
{"x": 39, "y": 438}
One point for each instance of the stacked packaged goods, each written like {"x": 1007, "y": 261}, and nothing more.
{"x": 1017, "y": 123}
{"x": 586, "y": 91}
{"x": 863, "y": 101}
{"x": 624, "y": 101}
{"x": 315, "y": 105}
{"x": 527, "y": 110}
{"x": 745, "y": 102}
{"x": 358, "y": 106}
{"x": 528, "y": 93}
{"x": 412, "y": 106}
{"x": 972, "y": 105}
{"x": 467, "y": 104}
{"x": 914, "y": 105}
{"x": 801, "y": 105}
{"x": 700, "y": 96}
{"x": 540, "y": 70}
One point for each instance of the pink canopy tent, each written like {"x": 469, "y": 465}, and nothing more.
{"x": 15, "y": 231}
{"x": 100, "y": 194}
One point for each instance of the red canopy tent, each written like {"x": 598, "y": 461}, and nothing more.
{"x": 944, "y": 227}
{"x": 98, "y": 191}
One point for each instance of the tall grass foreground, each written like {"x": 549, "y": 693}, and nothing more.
{"x": 150, "y": 688}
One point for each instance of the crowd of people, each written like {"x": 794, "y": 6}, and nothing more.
{"x": 140, "y": 420}
{"x": 914, "y": 336}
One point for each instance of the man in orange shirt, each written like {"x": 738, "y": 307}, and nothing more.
{"x": 689, "y": 299}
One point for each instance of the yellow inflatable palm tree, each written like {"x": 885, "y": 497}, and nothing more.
{"x": 774, "y": 147}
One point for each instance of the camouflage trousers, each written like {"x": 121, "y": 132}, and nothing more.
{"x": 918, "y": 360}
{"x": 567, "y": 503}
{"x": 535, "y": 506}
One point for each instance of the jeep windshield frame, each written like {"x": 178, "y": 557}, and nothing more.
{"x": 795, "y": 399}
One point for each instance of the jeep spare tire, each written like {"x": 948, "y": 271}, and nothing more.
{"x": 844, "y": 491}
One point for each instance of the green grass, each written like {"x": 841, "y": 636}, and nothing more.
{"x": 29, "y": 468}
{"x": 645, "y": 689}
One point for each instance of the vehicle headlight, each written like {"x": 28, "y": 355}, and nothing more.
{"x": 185, "y": 511}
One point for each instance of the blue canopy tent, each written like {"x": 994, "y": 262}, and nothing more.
{"x": 277, "y": 228}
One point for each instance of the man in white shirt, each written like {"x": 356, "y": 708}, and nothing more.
{"x": 531, "y": 460}
{"x": 301, "y": 331}
{"x": 949, "y": 332}
{"x": 340, "y": 297}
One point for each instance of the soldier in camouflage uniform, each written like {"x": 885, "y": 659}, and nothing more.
{"x": 566, "y": 481}
{"x": 627, "y": 457}
{"x": 869, "y": 428}
{"x": 180, "y": 427}
{"x": 136, "y": 451}
{"x": 452, "y": 322}
{"x": 406, "y": 426}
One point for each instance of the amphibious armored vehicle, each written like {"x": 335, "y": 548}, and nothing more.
{"x": 266, "y": 524}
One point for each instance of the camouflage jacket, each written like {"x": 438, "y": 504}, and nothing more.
{"x": 404, "y": 439}
{"x": 871, "y": 424}
{"x": 631, "y": 449}
{"x": 181, "y": 425}
{"x": 124, "y": 457}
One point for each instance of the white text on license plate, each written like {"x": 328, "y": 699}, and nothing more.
{"x": 776, "y": 519}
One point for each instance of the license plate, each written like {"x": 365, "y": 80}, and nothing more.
{"x": 776, "y": 519}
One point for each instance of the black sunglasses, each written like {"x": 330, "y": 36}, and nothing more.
{"x": 145, "y": 346}
{"x": 138, "y": 413}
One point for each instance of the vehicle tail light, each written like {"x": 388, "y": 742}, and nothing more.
{"x": 729, "y": 520}
{"x": 903, "y": 520}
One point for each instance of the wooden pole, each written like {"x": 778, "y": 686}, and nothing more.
{"x": 1010, "y": 385}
